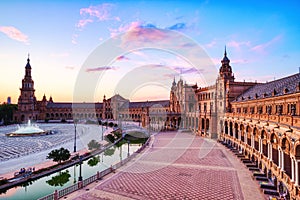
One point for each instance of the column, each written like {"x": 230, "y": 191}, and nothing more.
{"x": 271, "y": 152}
{"x": 297, "y": 173}
{"x": 239, "y": 135}
{"x": 282, "y": 160}
{"x": 293, "y": 172}
{"x": 279, "y": 157}
{"x": 259, "y": 145}
{"x": 268, "y": 145}
{"x": 252, "y": 141}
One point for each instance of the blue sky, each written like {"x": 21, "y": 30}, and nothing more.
{"x": 261, "y": 38}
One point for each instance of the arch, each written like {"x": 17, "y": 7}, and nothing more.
{"x": 231, "y": 128}
{"x": 274, "y": 142}
{"x": 285, "y": 144}
{"x": 207, "y": 124}
{"x": 297, "y": 151}
{"x": 226, "y": 127}
{"x": 236, "y": 129}
{"x": 263, "y": 136}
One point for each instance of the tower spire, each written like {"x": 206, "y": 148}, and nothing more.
{"x": 225, "y": 53}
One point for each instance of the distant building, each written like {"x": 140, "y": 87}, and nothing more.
{"x": 8, "y": 100}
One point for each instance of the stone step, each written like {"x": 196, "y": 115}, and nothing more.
{"x": 254, "y": 169}
{"x": 271, "y": 192}
{"x": 262, "y": 178}
{"x": 268, "y": 186}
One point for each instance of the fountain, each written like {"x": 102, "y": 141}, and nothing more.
{"x": 28, "y": 130}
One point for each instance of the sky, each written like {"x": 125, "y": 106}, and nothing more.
{"x": 83, "y": 50}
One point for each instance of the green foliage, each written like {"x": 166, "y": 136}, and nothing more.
{"x": 58, "y": 155}
{"x": 109, "y": 152}
{"x": 6, "y": 113}
{"x": 93, "y": 144}
{"x": 60, "y": 179}
{"x": 94, "y": 161}
{"x": 3, "y": 181}
{"x": 110, "y": 137}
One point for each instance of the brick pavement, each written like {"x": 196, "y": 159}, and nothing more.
{"x": 178, "y": 166}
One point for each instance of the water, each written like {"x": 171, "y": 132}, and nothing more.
{"x": 29, "y": 151}
{"x": 40, "y": 187}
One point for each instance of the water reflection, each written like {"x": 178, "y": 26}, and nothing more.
{"x": 59, "y": 180}
{"x": 94, "y": 161}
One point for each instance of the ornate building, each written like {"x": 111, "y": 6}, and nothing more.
{"x": 201, "y": 108}
{"x": 264, "y": 123}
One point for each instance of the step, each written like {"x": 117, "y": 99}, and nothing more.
{"x": 268, "y": 186}
{"x": 262, "y": 178}
{"x": 247, "y": 161}
{"x": 271, "y": 192}
{"x": 259, "y": 174}
{"x": 254, "y": 169}
{"x": 251, "y": 165}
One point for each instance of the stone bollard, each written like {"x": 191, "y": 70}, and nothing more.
{"x": 80, "y": 184}
{"x": 98, "y": 175}
{"x": 55, "y": 195}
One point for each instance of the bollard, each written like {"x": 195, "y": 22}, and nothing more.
{"x": 98, "y": 175}
{"x": 55, "y": 195}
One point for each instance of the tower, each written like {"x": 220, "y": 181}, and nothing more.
{"x": 27, "y": 101}
{"x": 224, "y": 78}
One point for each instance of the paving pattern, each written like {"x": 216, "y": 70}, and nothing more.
{"x": 176, "y": 166}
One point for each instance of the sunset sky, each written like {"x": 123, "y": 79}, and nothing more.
{"x": 262, "y": 40}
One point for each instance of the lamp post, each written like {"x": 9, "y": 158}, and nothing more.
{"x": 75, "y": 126}
{"x": 80, "y": 162}
{"x": 128, "y": 148}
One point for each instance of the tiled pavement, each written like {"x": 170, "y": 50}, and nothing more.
{"x": 177, "y": 166}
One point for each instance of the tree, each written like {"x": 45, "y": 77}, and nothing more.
{"x": 58, "y": 155}
{"x": 6, "y": 113}
{"x": 93, "y": 144}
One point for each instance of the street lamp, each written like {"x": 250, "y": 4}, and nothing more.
{"x": 80, "y": 162}
{"x": 75, "y": 125}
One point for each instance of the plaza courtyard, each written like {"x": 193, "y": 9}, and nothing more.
{"x": 177, "y": 165}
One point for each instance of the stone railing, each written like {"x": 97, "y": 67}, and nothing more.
{"x": 99, "y": 175}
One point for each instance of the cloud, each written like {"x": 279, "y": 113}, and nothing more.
{"x": 14, "y": 34}
{"x": 238, "y": 45}
{"x": 96, "y": 13}
{"x": 211, "y": 44}
{"x": 261, "y": 47}
{"x": 104, "y": 68}
{"x": 74, "y": 38}
{"x": 178, "y": 27}
{"x": 119, "y": 58}
{"x": 83, "y": 22}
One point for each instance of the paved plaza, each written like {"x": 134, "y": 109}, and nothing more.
{"x": 177, "y": 165}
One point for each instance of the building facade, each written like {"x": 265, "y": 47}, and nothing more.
{"x": 260, "y": 119}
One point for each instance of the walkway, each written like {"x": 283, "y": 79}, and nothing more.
{"x": 177, "y": 166}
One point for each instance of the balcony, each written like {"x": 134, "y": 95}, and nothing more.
{"x": 285, "y": 120}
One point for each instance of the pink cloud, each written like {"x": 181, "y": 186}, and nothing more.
{"x": 238, "y": 45}
{"x": 119, "y": 58}
{"x": 14, "y": 34}
{"x": 83, "y": 22}
{"x": 211, "y": 44}
{"x": 104, "y": 68}
{"x": 261, "y": 47}
{"x": 96, "y": 13}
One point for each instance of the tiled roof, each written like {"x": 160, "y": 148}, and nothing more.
{"x": 74, "y": 105}
{"x": 163, "y": 103}
{"x": 286, "y": 85}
